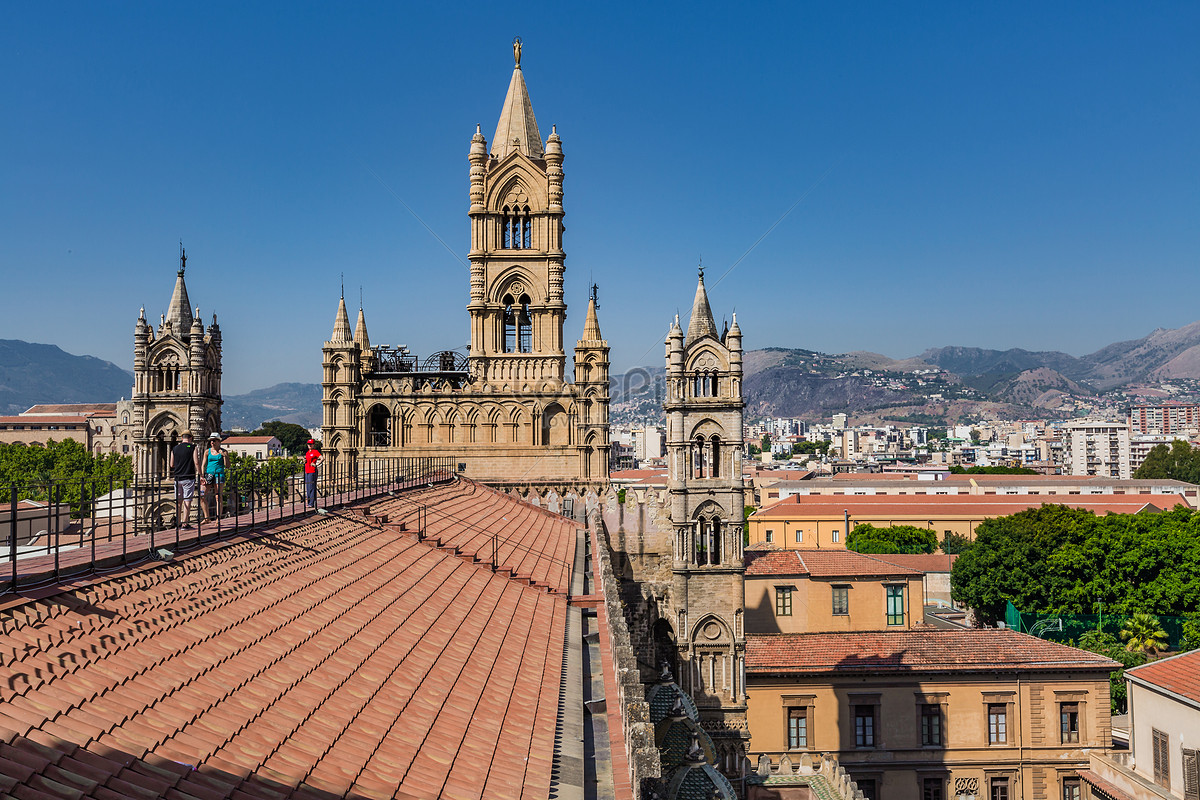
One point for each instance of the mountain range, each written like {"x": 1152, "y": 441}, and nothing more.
{"x": 939, "y": 384}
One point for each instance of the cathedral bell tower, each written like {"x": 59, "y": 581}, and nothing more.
{"x": 177, "y": 382}
{"x": 704, "y": 443}
{"x": 517, "y": 308}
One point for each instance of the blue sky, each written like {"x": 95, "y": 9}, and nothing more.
{"x": 996, "y": 175}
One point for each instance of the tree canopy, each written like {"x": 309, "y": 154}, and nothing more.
{"x": 866, "y": 538}
{"x": 1059, "y": 560}
{"x": 1179, "y": 462}
{"x": 294, "y": 438}
{"x": 957, "y": 470}
{"x": 68, "y": 465}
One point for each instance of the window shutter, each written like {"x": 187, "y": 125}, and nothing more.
{"x": 1191, "y": 775}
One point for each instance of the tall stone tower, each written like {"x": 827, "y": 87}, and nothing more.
{"x": 506, "y": 409}
{"x": 176, "y": 383}
{"x": 705, "y": 491}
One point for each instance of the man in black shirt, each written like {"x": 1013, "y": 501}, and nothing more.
{"x": 183, "y": 470}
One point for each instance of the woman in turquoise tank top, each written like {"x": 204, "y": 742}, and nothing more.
{"x": 214, "y": 477}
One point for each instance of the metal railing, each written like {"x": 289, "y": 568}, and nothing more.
{"x": 53, "y": 531}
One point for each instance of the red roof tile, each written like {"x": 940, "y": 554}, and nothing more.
{"x": 823, "y": 564}
{"x": 346, "y": 656}
{"x": 912, "y": 651}
{"x": 1178, "y": 674}
{"x": 921, "y": 562}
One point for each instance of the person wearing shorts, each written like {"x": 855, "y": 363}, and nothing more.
{"x": 213, "y": 462}
{"x": 182, "y": 466}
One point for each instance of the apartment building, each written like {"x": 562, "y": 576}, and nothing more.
{"x": 1165, "y": 418}
{"x": 1093, "y": 447}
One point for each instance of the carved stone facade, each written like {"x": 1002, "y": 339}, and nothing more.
{"x": 176, "y": 383}
{"x": 704, "y": 468}
{"x": 509, "y": 412}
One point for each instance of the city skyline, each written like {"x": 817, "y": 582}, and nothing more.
{"x": 952, "y": 175}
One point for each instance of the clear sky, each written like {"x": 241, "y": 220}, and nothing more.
{"x": 988, "y": 174}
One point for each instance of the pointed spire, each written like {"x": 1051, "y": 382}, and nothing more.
{"x": 360, "y": 331}
{"x": 179, "y": 312}
{"x": 341, "y": 325}
{"x": 517, "y": 128}
{"x": 591, "y": 324}
{"x": 701, "y": 324}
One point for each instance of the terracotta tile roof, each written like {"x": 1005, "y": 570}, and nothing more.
{"x": 1108, "y": 788}
{"x": 248, "y": 440}
{"x": 957, "y": 505}
{"x": 773, "y": 562}
{"x": 823, "y": 564}
{"x": 921, "y": 562}
{"x": 335, "y": 656}
{"x": 73, "y": 408}
{"x": 1178, "y": 674}
{"x": 46, "y": 420}
{"x": 912, "y": 651}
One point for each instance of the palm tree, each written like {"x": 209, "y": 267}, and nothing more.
{"x": 1143, "y": 633}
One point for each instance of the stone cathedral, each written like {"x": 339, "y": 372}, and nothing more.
{"x": 507, "y": 410}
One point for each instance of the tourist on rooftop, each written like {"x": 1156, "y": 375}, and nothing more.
{"x": 311, "y": 460}
{"x": 183, "y": 470}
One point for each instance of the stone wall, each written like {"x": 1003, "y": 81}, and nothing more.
{"x": 638, "y": 733}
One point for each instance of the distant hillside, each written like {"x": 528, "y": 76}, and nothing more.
{"x": 975, "y": 361}
{"x": 43, "y": 373}
{"x": 298, "y": 403}
{"x": 1162, "y": 354}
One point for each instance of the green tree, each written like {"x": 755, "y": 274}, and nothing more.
{"x": 294, "y": 438}
{"x": 955, "y": 543}
{"x": 766, "y": 443}
{"x": 810, "y": 448}
{"x": 1191, "y": 633}
{"x": 1143, "y": 633}
{"x": 260, "y": 482}
{"x": 866, "y": 538}
{"x": 1106, "y": 644}
{"x": 1056, "y": 560}
{"x": 957, "y": 470}
{"x": 65, "y": 468}
{"x": 1179, "y": 462}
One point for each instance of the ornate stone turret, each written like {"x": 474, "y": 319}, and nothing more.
{"x": 342, "y": 372}
{"x": 177, "y": 382}
{"x": 704, "y": 480}
{"x": 591, "y": 380}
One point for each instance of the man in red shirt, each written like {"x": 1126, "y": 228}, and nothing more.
{"x": 311, "y": 459}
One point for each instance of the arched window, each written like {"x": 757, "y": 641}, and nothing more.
{"x": 714, "y": 458}
{"x": 708, "y": 541}
{"x": 510, "y": 325}
{"x": 698, "y": 470}
{"x": 516, "y": 228}
{"x": 525, "y": 327}
{"x": 378, "y": 427}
